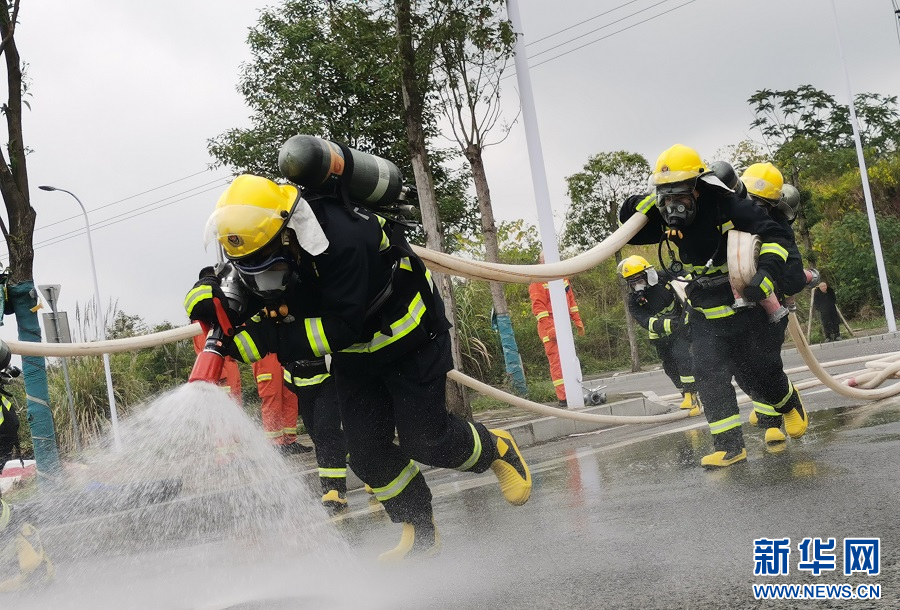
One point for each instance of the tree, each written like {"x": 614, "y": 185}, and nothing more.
{"x": 742, "y": 155}
{"x": 596, "y": 192}
{"x": 472, "y": 53}
{"x": 21, "y": 291}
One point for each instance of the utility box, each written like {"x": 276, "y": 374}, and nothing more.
{"x": 56, "y": 327}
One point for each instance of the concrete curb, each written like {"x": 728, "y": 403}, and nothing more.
{"x": 835, "y": 344}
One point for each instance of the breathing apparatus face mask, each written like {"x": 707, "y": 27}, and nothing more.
{"x": 269, "y": 272}
{"x": 642, "y": 281}
{"x": 677, "y": 204}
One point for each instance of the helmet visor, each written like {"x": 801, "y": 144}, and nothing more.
{"x": 242, "y": 229}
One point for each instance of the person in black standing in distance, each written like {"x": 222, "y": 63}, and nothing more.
{"x": 825, "y": 304}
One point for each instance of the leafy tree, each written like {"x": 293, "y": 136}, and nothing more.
{"x": 472, "y": 54}
{"x": 845, "y": 248}
{"x": 596, "y": 192}
{"x": 742, "y": 155}
{"x": 20, "y": 290}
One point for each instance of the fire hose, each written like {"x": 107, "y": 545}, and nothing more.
{"x": 742, "y": 267}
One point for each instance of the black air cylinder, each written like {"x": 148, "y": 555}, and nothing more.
{"x": 313, "y": 163}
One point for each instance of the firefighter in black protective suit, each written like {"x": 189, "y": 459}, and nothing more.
{"x": 763, "y": 184}
{"x": 727, "y": 342}
{"x": 656, "y": 307}
{"x": 352, "y": 287}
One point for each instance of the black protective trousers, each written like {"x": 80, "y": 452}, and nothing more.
{"x": 740, "y": 346}
{"x": 321, "y": 416}
{"x": 408, "y": 395}
{"x": 675, "y": 353}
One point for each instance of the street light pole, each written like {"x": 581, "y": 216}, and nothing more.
{"x": 98, "y": 321}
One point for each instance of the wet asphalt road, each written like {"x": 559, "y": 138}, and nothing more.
{"x": 621, "y": 518}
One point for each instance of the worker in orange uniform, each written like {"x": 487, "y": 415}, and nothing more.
{"x": 540, "y": 307}
{"x": 231, "y": 374}
{"x": 279, "y": 405}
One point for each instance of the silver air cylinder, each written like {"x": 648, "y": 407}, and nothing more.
{"x": 313, "y": 162}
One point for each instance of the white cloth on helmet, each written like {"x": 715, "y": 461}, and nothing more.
{"x": 306, "y": 227}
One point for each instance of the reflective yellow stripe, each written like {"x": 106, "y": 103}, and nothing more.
{"x": 711, "y": 271}
{"x": 476, "y": 450}
{"x": 286, "y": 375}
{"x": 687, "y": 379}
{"x": 315, "y": 333}
{"x": 200, "y": 293}
{"x": 246, "y": 347}
{"x": 557, "y": 382}
{"x": 787, "y": 397}
{"x": 308, "y": 381}
{"x": 573, "y": 308}
{"x": 712, "y": 313}
{"x": 333, "y": 473}
{"x": 400, "y": 329}
{"x": 773, "y": 248}
{"x": 667, "y": 326}
{"x": 406, "y": 264}
{"x": 4, "y": 515}
{"x": 542, "y": 315}
{"x": 646, "y": 203}
{"x": 396, "y": 486}
{"x": 650, "y": 323}
{"x": 273, "y": 433}
{"x": 291, "y": 431}
{"x": 264, "y": 377}
{"x": 764, "y": 409}
{"x": 767, "y": 286}
{"x": 653, "y": 335}
{"x": 545, "y": 339}
{"x": 727, "y": 226}
{"x": 723, "y": 425}
{"x": 6, "y": 406}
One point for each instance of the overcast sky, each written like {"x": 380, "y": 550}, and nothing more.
{"x": 126, "y": 94}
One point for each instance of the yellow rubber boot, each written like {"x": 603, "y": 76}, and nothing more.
{"x": 510, "y": 469}
{"x": 334, "y": 502}
{"x": 722, "y": 459}
{"x": 686, "y": 402}
{"x": 754, "y": 420}
{"x": 35, "y": 567}
{"x": 368, "y": 489}
{"x": 796, "y": 421}
{"x": 415, "y": 542}
{"x": 696, "y": 405}
{"x": 774, "y": 435}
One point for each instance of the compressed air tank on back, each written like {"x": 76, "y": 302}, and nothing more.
{"x": 724, "y": 171}
{"x": 313, "y": 162}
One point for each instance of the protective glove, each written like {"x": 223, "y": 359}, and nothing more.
{"x": 760, "y": 287}
{"x": 198, "y": 303}
{"x": 580, "y": 328}
{"x": 254, "y": 340}
{"x": 640, "y": 203}
{"x": 666, "y": 326}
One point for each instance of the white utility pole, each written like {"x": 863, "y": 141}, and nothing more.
{"x": 864, "y": 173}
{"x": 564, "y": 338}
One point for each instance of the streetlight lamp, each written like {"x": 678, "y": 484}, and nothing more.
{"x": 101, "y": 327}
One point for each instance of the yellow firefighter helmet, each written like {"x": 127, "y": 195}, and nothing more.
{"x": 250, "y": 214}
{"x": 679, "y": 163}
{"x": 632, "y": 265}
{"x": 764, "y": 181}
